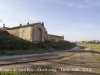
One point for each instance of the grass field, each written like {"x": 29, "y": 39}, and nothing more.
{"x": 95, "y": 50}
{"x": 95, "y": 47}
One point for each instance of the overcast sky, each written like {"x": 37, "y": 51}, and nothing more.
{"x": 75, "y": 19}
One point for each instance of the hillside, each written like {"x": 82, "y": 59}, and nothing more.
{"x": 8, "y": 41}
{"x": 10, "y": 45}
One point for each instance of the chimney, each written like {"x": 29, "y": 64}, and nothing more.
{"x": 28, "y": 23}
{"x": 3, "y": 27}
{"x": 43, "y": 23}
{"x": 20, "y": 24}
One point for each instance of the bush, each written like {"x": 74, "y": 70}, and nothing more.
{"x": 61, "y": 45}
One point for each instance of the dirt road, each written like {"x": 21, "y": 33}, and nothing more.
{"x": 82, "y": 62}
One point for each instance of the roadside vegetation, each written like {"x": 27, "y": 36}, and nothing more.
{"x": 12, "y": 45}
{"x": 60, "y": 45}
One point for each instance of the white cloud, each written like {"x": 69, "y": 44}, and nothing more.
{"x": 82, "y": 6}
{"x": 89, "y": 26}
{"x": 83, "y": 26}
{"x": 10, "y": 13}
{"x": 70, "y": 4}
{"x": 63, "y": 2}
{"x": 87, "y": 4}
{"x": 93, "y": 2}
{"x": 59, "y": 2}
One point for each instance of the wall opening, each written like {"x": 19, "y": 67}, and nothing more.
{"x": 39, "y": 35}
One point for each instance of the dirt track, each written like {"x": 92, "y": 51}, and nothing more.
{"x": 70, "y": 63}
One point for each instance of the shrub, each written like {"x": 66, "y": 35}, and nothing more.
{"x": 60, "y": 45}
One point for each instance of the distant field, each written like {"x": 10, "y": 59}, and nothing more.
{"x": 92, "y": 46}
{"x": 95, "y": 48}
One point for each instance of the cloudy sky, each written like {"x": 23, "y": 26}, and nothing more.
{"x": 75, "y": 19}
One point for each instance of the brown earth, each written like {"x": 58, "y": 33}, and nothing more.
{"x": 83, "y": 62}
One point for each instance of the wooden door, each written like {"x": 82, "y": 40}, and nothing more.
{"x": 39, "y": 35}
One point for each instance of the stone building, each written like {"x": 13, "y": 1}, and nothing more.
{"x": 35, "y": 32}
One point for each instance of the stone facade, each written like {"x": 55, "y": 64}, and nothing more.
{"x": 35, "y": 32}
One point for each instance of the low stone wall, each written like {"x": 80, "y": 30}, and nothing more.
{"x": 56, "y": 37}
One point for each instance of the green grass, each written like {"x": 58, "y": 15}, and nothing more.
{"x": 20, "y": 52}
{"x": 95, "y": 50}
{"x": 61, "y": 45}
{"x": 27, "y": 73}
{"x": 11, "y": 42}
{"x": 12, "y": 45}
{"x": 95, "y": 47}
{"x": 45, "y": 70}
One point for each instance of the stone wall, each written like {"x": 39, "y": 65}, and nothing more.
{"x": 56, "y": 37}
{"x": 25, "y": 33}
{"x": 14, "y": 32}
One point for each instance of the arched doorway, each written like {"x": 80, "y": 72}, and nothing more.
{"x": 39, "y": 35}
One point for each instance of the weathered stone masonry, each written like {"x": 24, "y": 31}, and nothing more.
{"x": 35, "y": 32}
